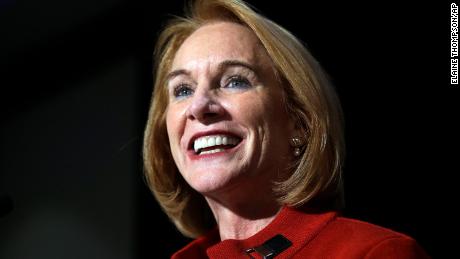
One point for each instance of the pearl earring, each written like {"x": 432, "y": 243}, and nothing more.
{"x": 296, "y": 143}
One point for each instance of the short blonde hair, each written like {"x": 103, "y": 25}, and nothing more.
{"x": 316, "y": 175}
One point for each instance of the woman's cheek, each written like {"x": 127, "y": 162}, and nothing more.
{"x": 173, "y": 125}
{"x": 247, "y": 106}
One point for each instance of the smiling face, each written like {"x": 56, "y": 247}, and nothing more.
{"x": 227, "y": 124}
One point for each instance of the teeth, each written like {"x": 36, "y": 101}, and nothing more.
{"x": 215, "y": 140}
{"x": 212, "y": 151}
{"x": 211, "y": 142}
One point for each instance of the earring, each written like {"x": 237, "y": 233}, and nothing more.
{"x": 296, "y": 143}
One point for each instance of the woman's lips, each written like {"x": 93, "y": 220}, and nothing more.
{"x": 215, "y": 132}
{"x": 214, "y": 151}
{"x": 214, "y": 143}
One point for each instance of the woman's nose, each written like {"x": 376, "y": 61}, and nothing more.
{"x": 204, "y": 107}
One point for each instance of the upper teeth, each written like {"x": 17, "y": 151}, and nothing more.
{"x": 215, "y": 140}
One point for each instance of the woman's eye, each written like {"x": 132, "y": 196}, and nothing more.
{"x": 182, "y": 91}
{"x": 238, "y": 83}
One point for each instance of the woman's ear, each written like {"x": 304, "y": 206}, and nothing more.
{"x": 297, "y": 137}
{"x": 296, "y": 127}
{"x": 299, "y": 130}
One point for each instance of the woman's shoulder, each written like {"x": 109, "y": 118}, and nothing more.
{"x": 364, "y": 230}
{"x": 354, "y": 238}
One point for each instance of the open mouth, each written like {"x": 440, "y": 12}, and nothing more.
{"x": 214, "y": 143}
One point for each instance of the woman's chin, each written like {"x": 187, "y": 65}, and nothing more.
{"x": 211, "y": 181}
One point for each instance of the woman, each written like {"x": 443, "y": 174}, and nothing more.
{"x": 244, "y": 145}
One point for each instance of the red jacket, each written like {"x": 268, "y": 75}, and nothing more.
{"x": 312, "y": 235}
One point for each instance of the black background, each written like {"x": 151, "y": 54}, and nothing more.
{"x": 75, "y": 88}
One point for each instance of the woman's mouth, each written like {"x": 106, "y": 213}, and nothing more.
{"x": 214, "y": 143}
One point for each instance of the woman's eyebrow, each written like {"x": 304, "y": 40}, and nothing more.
{"x": 222, "y": 66}
{"x": 177, "y": 72}
{"x": 234, "y": 63}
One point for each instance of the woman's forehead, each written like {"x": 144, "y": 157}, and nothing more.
{"x": 216, "y": 42}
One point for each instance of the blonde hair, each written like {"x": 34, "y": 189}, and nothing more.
{"x": 316, "y": 175}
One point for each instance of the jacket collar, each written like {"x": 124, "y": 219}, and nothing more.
{"x": 299, "y": 226}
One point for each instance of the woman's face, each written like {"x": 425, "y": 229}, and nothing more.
{"x": 227, "y": 125}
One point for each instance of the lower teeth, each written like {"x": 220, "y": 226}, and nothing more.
{"x": 212, "y": 151}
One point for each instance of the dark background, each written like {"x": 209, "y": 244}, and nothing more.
{"x": 75, "y": 88}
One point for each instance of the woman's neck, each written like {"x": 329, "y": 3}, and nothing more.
{"x": 241, "y": 221}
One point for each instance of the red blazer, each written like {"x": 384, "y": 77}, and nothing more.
{"x": 312, "y": 235}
